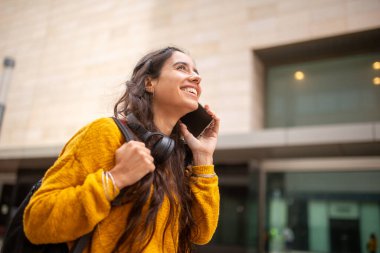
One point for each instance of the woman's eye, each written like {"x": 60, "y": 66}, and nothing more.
{"x": 181, "y": 67}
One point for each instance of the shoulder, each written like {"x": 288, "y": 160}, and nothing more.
{"x": 102, "y": 131}
{"x": 104, "y": 124}
{"x": 99, "y": 128}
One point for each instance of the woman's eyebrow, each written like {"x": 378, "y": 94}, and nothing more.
{"x": 185, "y": 63}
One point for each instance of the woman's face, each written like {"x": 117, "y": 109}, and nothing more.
{"x": 177, "y": 89}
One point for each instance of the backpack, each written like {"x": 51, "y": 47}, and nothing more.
{"x": 15, "y": 240}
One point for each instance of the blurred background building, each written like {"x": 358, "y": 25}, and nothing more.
{"x": 296, "y": 84}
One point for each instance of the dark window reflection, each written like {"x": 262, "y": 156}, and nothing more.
{"x": 323, "y": 211}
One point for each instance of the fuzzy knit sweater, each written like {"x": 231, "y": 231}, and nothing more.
{"x": 72, "y": 201}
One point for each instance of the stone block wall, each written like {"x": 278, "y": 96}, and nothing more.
{"x": 72, "y": 57}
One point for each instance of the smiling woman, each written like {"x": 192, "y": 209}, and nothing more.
{"x": 176, "y": 90}
{"x": 167, "y": 205}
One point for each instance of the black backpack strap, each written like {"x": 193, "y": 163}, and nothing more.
{"x": 81, "y": 243}
{"x": 84, "y": 240}
{"x": 126, "y": 132}
{"x": 128, "y": 135}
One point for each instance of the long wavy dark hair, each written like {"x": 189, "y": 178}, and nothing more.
{"x": 168, "y": 179}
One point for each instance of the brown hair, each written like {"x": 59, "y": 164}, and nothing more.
{"x": 168, "y": 179}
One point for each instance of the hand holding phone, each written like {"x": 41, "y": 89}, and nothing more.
{"x": 200, "y": 130}
{"x": 197, "y": 121}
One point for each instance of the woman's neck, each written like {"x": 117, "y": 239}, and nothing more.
{"x": 164, "y": 121}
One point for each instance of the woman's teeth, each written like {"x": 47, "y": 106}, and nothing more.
{"x": 190, "y": 90}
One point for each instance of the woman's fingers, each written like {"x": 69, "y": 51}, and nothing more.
{"x": 132, "y": 162}
{"x": 216, "y": 120}
{"x": 185, "y": 132}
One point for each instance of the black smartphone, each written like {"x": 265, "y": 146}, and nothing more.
{"x": 197, "y": 121}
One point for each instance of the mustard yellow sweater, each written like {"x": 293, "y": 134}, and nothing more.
{"x": 71, "y": 201}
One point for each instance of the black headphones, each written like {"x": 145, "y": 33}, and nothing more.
{"x": 161, "y": 146}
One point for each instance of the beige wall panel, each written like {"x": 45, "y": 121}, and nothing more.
{"x": 72, "y": 57}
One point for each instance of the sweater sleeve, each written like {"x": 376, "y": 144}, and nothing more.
{"x": 205, "y": 208}
{"x": 72, "y": 198}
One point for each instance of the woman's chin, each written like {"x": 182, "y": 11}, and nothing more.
{"x": 189, "y": 108}
{"x": 193, "y": 106}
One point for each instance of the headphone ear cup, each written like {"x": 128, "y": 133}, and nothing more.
{"x": 162, "y": 149}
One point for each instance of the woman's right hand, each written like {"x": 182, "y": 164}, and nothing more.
{"x": 132, "y": 162}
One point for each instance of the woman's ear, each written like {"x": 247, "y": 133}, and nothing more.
{"x": 149, "y": 85}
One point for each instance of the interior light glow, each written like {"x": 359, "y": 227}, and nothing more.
{"x": 376, "y": 81}
{"x": 299, "y": 75}
{"x": 376, "y": 65}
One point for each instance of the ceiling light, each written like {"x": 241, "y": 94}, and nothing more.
{"x": 299, "y": 75}
{"x": 376, "y": 81}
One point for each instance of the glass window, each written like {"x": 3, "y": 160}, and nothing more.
{"x": 237, "y": 229}
{"x": 328, "y": 91}
{"x": 323, "y": 211}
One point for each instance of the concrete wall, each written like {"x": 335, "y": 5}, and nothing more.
{"x": 73, "y": 56}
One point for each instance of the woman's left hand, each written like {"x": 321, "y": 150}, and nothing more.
{"x": 203, "y": 147}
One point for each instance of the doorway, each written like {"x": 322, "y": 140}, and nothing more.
{"x": 344, "y": 236}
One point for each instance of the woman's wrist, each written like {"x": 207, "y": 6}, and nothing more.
{"x": 205, "y": 171}
{"x": 107, "y": 179}
{"x": 202, "y": 159}
{"x": 119, "y": 179}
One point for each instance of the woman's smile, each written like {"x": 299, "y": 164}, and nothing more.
{"x": 190, "y": 91}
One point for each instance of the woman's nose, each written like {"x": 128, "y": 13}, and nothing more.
{"x": 195, "y": 78}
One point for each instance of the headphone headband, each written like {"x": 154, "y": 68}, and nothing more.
{"x": 136, "y": 126}
{"x": 161, "y": 149}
